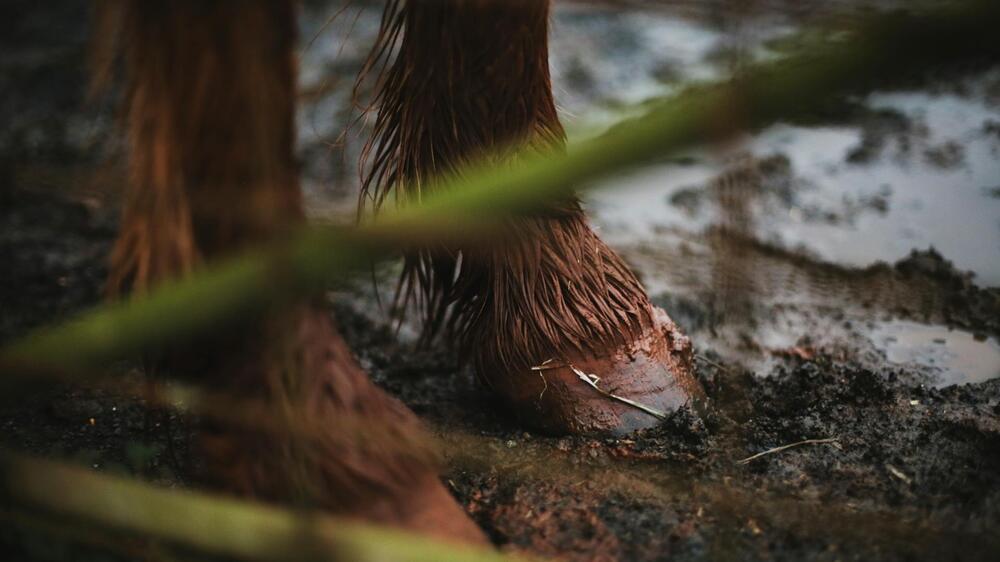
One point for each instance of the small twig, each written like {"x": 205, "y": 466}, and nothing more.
{"x": 712, "y": 363}
{"x": 545, "y": 366}
{"x": 592, "y": 381}
{"x": 899, "y": 474}
{"x": 545, "y": 386}
{"x": 831, "y": 440}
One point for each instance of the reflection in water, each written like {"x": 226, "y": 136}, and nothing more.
{"x": 957, "y": 357}
{"x": 733, "y": 280}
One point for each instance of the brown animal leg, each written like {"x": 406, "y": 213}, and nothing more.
{"x": 210, "y": 112}
{"x": 469, "y": 80}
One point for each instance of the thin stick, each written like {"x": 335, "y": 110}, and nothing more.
{"x": 711, "y": 363}
{"x": 591, "y": 380}
{"x": 830, "y": 440}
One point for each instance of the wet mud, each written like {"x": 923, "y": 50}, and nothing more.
{"x": 910, "y": 472}
{"x": 913, "y": 473}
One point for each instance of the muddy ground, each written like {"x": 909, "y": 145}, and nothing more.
{"x": 914, "y": 472}
{"x": 908, "y": 468}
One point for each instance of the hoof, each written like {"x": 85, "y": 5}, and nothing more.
{"x": 616, "y": 393}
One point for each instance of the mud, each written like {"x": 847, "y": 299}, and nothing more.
{"x": 914, "y": 473}
{"x": 790, "y": 345}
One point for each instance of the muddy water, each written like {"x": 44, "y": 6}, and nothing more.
{"x": 960, "y": 356}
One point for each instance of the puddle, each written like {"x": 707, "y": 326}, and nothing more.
{"x": 913, "y": 170}
{"x": 929, "y": 181}
{"x": 838, "y": 211}
{"x": 955, "y": 356}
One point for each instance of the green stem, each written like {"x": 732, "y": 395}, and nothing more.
{"x": 214, "y": 524}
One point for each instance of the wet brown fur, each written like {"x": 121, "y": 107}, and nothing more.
{"x": 210, "y": 93}
{"x": 463, "y": 81}
{"x": 210, "y": 90}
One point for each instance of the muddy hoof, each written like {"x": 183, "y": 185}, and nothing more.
{"x": 613, "y": 394}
